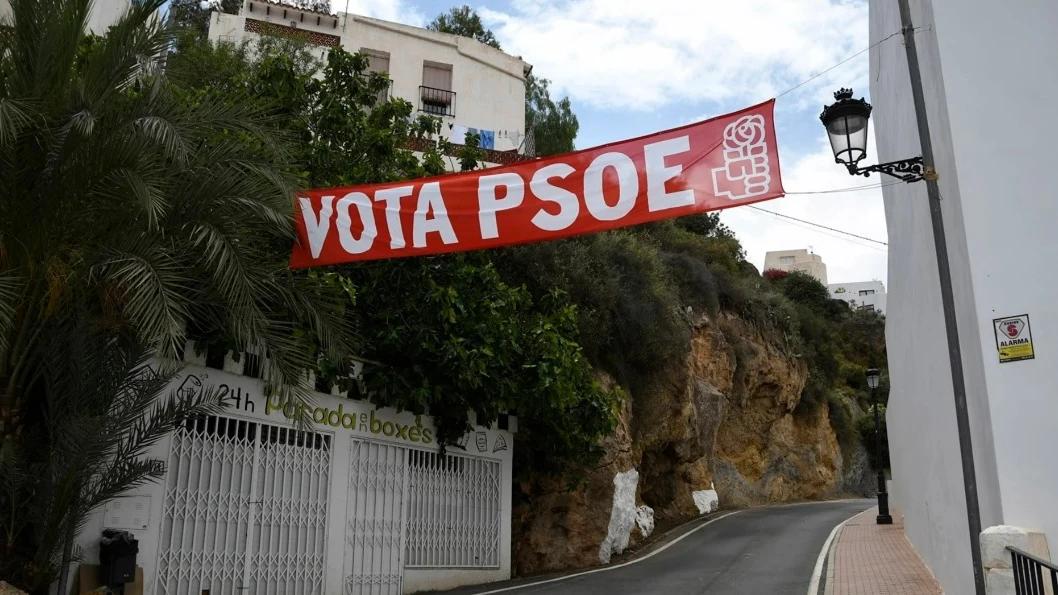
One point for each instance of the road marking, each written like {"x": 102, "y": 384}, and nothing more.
{"x": 622, "y": 565}
{"x": 813, "y": 587}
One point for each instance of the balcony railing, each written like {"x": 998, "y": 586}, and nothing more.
{"x": 1030, "y": 573}
{"x": 437, "y": 102}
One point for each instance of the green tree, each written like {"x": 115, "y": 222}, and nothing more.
{"x": 155, "y": 217}
{"x": 554, "y": 126}
{"x": 464, "y": 21}
{"x": 453, "y": 337}
{"x": 193, "y": 15}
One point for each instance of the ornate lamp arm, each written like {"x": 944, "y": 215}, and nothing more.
{"x": 908, "y": 170}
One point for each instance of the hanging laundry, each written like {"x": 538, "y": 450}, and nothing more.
{"x": 458, "y": 135}
{"x": 488, "y": 139}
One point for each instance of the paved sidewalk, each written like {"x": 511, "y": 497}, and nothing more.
{"x": 872, "y": 559}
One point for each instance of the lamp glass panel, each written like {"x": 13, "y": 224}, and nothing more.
{"x": 848, "y": 138}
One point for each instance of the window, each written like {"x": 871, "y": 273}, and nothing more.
{"x": 867, "y": 307}
{"x": 436, "y": 95}
{"x": 377, "y": 61}
{"x": 786, "y": 260}
{"x": 866, "y": 292}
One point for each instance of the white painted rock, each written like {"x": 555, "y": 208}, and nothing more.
{"x": 622, "y": 516}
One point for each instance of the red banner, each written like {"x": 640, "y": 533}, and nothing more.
{"x": 724, "y": 162}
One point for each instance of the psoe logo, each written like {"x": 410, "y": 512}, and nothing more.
{"x": 747, "y": 169}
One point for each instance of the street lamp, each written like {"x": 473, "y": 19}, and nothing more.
{"x": 884, "y": 518}
{"x": 846, "y": 122}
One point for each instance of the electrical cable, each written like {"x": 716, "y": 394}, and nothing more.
{"x": 849, "y": 189}
{"x": 850, "y": 234}
{"x": 857, "y": 54}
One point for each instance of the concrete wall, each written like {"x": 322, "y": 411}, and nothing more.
{"x": 489, "y": 84}
{"x": 990, "y": 144}
{"x": 802, "y": 261}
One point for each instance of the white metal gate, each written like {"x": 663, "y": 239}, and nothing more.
{"x": 453, "y": 511}
{"x": 375, "y": 519}
{"x": 245, "y": 509}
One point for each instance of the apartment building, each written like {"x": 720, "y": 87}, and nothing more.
{"x": 472, "y": 87}
{"x": 866, "y": 295}
{"x": 797, "y": 260}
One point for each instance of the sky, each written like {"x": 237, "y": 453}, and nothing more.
{"x": 632, "y": 67}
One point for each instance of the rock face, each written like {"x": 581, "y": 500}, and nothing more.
{"x": 721, "y": 419}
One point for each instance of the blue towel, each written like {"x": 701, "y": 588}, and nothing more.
{"x": 488, "y": 139}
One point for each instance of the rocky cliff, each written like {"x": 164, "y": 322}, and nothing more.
{"x": 721, "y": 419}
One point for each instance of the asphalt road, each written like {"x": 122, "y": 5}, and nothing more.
{"x": 761, "y": 551}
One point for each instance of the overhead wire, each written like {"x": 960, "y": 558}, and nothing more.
{"x": 849, "y": 189}
{"x": 820, "y": 226}
{"x": 850, "y": 58}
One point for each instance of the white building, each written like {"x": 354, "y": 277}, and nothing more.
{"x": 473, "y": 87}
{"x": 362, "y": 502}
{"x": 994, "y": 143}
{"x": 868, "y": 295}
{"x": 104, "y": 13}
{"x": 797, "y": 260}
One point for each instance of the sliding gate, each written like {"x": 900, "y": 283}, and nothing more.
{"x": 247, "y": 512}
{"x": 245, "y": 509}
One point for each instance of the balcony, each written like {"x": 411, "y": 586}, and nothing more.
{"x": 437, "y": 102}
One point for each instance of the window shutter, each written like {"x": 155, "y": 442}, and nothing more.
{"x": 437, "y": 76}
{"x": 377, "y": 61}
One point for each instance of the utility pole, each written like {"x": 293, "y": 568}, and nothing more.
{"x": 958, "y": 379}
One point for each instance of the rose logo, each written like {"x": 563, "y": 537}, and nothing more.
{"x": 747, "y": 131}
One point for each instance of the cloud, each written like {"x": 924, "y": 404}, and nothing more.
{"x": 638, "y": 55}
{"x": 859, "y": 211}
{"x": 397, "y": 11}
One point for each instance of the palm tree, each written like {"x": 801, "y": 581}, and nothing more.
{"x": 143, "y": 211}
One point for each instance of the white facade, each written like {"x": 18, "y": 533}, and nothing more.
{"x": 868, "y": 295}
{"x": 360, "y": 502}
{"x": 797, "y": 260}
{"x": 104, "y": 13}
{"x": 994, "y": 146}
{"x": 471, "y": 86}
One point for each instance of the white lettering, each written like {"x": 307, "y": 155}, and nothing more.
{"x": 430, "y": 199}
{"x": 627, "y": 185}
{"x": 489, "y": 204}
{"x": 316, "y": 228}
{"x": 392, "y": 198}
{"x": 345, "y": 223}
{"x": 568, "y": 205}
{"x": 657, "y": 174}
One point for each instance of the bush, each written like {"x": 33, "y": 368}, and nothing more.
{"x": 845, "y": 428}
{"x": 865, "y": 428}
{"x": 695, "y": 283}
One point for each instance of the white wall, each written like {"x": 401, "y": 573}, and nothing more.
{"x": 991, "y": 143}
{"x": 250, "y": 389}
{"x": 851, "y": 293}
{"x": 1005, "y": 149}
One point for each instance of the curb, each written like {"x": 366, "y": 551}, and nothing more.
{"x": 823, "y": 577}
